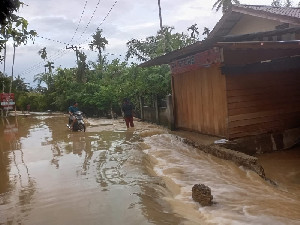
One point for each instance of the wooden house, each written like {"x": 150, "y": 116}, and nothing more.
{"x": 243, "y": 79}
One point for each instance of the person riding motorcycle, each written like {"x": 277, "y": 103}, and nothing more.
{"x": 72, "y": 109}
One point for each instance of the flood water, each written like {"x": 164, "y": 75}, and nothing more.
{"x": 111, "y": 175}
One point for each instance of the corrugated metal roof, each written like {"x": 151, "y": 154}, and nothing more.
{"x": 227, "y": 22}
{"x": 229, "y": 19}
{"x": 284, "y": 11}
{"x": 222, "y": 42}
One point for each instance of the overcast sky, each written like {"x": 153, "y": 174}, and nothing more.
{"x": 58, "y": 19}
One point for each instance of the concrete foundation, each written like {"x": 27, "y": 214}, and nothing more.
{"x": 266, "y": 142}
{"x": 210, "y": 144}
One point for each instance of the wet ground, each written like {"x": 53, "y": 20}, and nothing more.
{"x": 111, "y": 175}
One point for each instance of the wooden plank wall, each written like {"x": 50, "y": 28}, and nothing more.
{"x": 262, "y": 103}
{"x": 200, "y": 101}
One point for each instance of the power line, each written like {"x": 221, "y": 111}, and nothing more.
{"x": 103, "y": 19}
{"x": 79, "y": 21}
{"x": 62, "y": 52}
{"x": 64, "y": 43}
{"x": 108, "y": 13}
{"x": 49, "y": 39}
{"x": 41, "y": 64}
{"x": 90, "y": 19}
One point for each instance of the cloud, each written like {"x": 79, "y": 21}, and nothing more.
{"x": 135, "y": 27}
{"x": 53, "y": 23}
{"x": 56, "y": 23}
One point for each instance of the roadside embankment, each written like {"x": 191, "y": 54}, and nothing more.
{"x": 208, "y": 144}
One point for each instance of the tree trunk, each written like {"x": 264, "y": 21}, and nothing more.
{"x": 100, "y": 57}
{"x": 12, "y": 68}
{"x": 4, "y": 59}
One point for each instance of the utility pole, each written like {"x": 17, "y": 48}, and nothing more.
{"x": 74, "y": 48}
{"x": 160, "y": 17}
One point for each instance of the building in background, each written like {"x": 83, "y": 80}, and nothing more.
{"x": 243, "y": 80}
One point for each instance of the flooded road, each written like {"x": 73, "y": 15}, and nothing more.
{"x": 111, "y": 175}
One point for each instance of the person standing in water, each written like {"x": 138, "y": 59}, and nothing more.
{"x": 127, "y": 109}
{"x": 28, "y": 108}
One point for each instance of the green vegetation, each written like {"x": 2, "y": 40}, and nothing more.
{"x": 13, "y": 27}
{"x": 225, "y": 5}
{"x": 99, "y": 87}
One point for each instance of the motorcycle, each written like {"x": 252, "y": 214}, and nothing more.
{"x": 79, "y": 123}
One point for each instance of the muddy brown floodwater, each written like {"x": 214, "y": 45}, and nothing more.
{"x": 110, "y": 175}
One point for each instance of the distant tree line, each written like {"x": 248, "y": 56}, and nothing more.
{"x": 99, "y": 86}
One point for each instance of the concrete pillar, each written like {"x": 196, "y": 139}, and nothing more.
{"x": 156, "y": 109}
{"x": 170, "y": 112}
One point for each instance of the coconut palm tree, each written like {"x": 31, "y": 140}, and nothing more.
{"x": 279, "y": 3}
{"x": 206, "y": 31}
{"x": 276, "y": 3}
{"x": 288, "y": 3}
{"x": 194, "y": 30}
{"x": 225, "y": 4}
{"x": 50, "y": 66}
{"x": 99, "y": 43}
{"x": 41, "y": 78}
{"x": 12, "y": 67}
{"x": 4, "y": 56}
{"x": 43, "y": 54}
